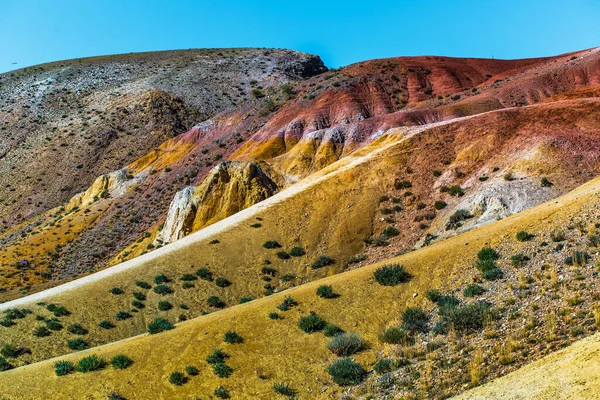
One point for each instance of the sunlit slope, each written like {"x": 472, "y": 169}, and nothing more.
{"x": 278, "y": 349}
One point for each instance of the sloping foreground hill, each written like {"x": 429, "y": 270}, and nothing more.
{"x": 536, "y": 295}
{"x": 571, "y": 373}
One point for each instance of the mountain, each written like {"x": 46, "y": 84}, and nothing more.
{"x": 316, "y": 178}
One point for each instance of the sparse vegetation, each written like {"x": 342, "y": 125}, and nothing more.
{"x": 232, "y": 337}
{"x": 323, "y": 261}
{"x": 326, "y": 292}
{"x": 62, "y": 368}
{"x": 346, "y": 344}
{"x": 346, "y": 371}
{"x": 391, "y": 275}
{"x": 121, "y": 361}
{"x": 312, "y": 323}
{"x": 91, "y": 363}
{"x": 159, "y": 325}
{"x": 177, "y": 378}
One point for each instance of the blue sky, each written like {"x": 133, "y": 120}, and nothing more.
{"x": 341, "y": 32}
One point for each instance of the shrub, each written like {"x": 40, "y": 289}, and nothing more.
{"x": 221, "y": 392}
{"x": 456, "y": 191}
{"x": 139, "y": 296}
{"x": 274, "y": 315}
{"x": 579, "y": 258}
{"x": 284, "y": 389}
{"x": 54, "y": 325}
{"x": 205, "y": 274}
{"x": 271, "y": 244}
{"x": 469, "y": 317}
{"x": 492, "y": 274}
{"x": 545, "y": 182}
{"x": 518, "y": 260}
{"x": 311, "y": 323}
{"x": 159, "y": 325}
{"x": 415, "y": 319}
{"x": 448, "y": 301}
{"x": 115, "y": 396}
{"x": 77, "y": 344}
{"x": 288, "y": 302}
{"x": 383, "y": 366}
{"x": 122, "y": 315}
{"x": 188, "y": 277}
{"x": 121, "y": 361}
{"x": 433, "y": 295}
{"x": 143, "y": 285}
{"x": 332, "y": 330}
{"x": 523, "y": 236}
{"x": 8, "y": 350}
{"x": 217, "y": 356}
{"x": 232, "y": 337}
{"x": 41, "y": 331}
{"x": 91, "y": 363}
{"x": 162, "y": 290}
{"x": 222, "y": 370}
{"x": 326, "y": 292}
{"x": 161, "y": 278}
{"x": 177, "y": 378}
{"x": 77, "y": 329}
{"x": 558, "y": 236}
{"x": 473, "y": 290}
{"x": 164, "y": 305}
{"x": 137, "y": 304}
{"x": 287, "y": 277}
{"x": 6, "y": 322}
{"x": 489, "y": 269}
{"x": 269, "y": 271}
{"x": 60, "y": 311}
{"x": 323, "y": 261}
{"x": 246, "y": 299}
{"x": 14, "y": 313}
{"x": 346, "y": 344}
{"x": 346, "y": 372}
{"x": 222, "y": 282}
{"x": 63, "y": 368}
{"x": 395, "y": 335}
{"x": 391, "y": 231}
{"x": 297, "y": 251}
{"x": 455, "y": 221}
{"x": 214, "y": 301}
{"x": 487, "y": 253}
{"x": 5, "y": 365}
{"x": 116, "y": 291}
{"x": 191, "y": 370}
{"x": 106, "y": 324}
{"x": 283, "y": 255}
{"x": 402, "y": 185}
{"x": 391, "y": 275}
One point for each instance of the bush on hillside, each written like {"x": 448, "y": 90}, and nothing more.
{"x": 332, "y": 330}
{"x": 177, "y": 378}
{"x": 346, "y": 344}
{"x": 77, "y": 329}
{"x": 159, "y": 325}
{"x": 391, "y": 275}
{"x": 326, "y": 292}
{"x": 271, "y": 244}
{"x": 311, "y": 323}
{"x": 232, "y": 337}
{"x": 143, "y": 285}
{"x": 214, "y": 301}
{"x": 284, "y": 389}
{"x": 415, "y": 319}
{"x": 104, "y": 324}
{"x": 346, "y": 372}
{"x": 323, "y": 261}
{"x": 121, "y": 361}
{"x": 222, "y": 370}
{"x": 297, "y": 251}
{"x": 91, "y": 363}
{"x": 222, "y": 282}
{"x": 63, "y": 368}
{"x": 383, "y": 366}
{"x": 161, "y": 278}
{"x": 162, "y": 290}
{"x": 217, "y": 356}
{"x": 395, "y": 335}
{"x": 205, "y": 274}
{"x": 473, "y": 290}
{"x": 77, "y": 344}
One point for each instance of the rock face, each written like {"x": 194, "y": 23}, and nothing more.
{"x": 113, "y": 184}
{"x": 230, "y": 187}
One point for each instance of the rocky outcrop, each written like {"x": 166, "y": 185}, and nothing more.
{"x": 113, "y": 184}
{"x": 230, "y": 187}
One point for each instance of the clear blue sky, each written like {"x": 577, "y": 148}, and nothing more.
{"x": 341, "y": 32}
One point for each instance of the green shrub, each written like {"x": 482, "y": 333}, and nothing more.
{"x": 391, "y": 231}
{"x": 159, "y": 325}
{"x": 222, "y": 282}
{"x": 383, "y": 366}
{"x": 311, "y": 323}
{"x": 523, "y": 236}
{"x": 164, "y": 305}
{"x": 232, "y": 337}
{"x": 346, "y": 372}
{"x": 269, "y": 271}
{"x": 332, "y": 330}
{"x": 346, "y": 344}
{"x": 54, "y": 325}
{"x": 297, "y": 251}
{"x": 161, "y": 278}
{"x": 77, "y": 344}
{"x": 440, "y": 205}
{"x": 456, "y": 219}
{"x": 274, "y": 315}
{"x": 191, "y": 370}
{"x": 433, "y": 295}
{"x": 326, "y": 292}
{"x": 492, "y": 274}
{"x": 143, "y": 285}
{"x": 454, "y": 191}
{"x": 221, "y": 393}
{"x": 284, "y": 389}
{"x": 162, "y": 290}
{"x": 106, "y": 324}
{"x": 8, "y": 350}
{"x": 122, "y": 315}
{"x": 579, "y": 258}
{"x": 246, "y": 299}
{"x": 5, "y": 365}
{"x": 323, "y": 261}
{"x": 402, "y": 185}
{"x": 77, "y": 329}
{"x": 287, "y": 277}
{"x": 487, "y": 253}
{"x": 283, "y": 255}
{"x": 139, "y": 296}
{"x": 271, "y": 244}
{"x": 177, "y": 378}
{"x": 222, "y": 370}
{"x": 489, "y": 269}
{"x": 60, "y": 311}
{"x": 469, "y": 317}
{"x": 188, "y": 277}
{"x": 395, "y": 335}
{"x": 6, "y": 322}
{"x": 41, "y": 331}
{"x": 214, "y": 301}
{"x": 217, "y": 356}
{"x": 91, "y": 363}
{"x": 116, "y": 291}
{"x": 391, "y": 275}
{"x": 415, "y": 319}
{"x": 63, "y": 368}
{"x": 137, "y": 304}
{"x": 473, "y": 290}
{"x": 14, "y": 313}
{"x": 288, "y": 303}
{"x": 121, "y": 361}
{"x": 518, "y": 260}
{"x": 115, "y": 396}
{"x": 448, "y": 301}
{"x": 204, "y": 274}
